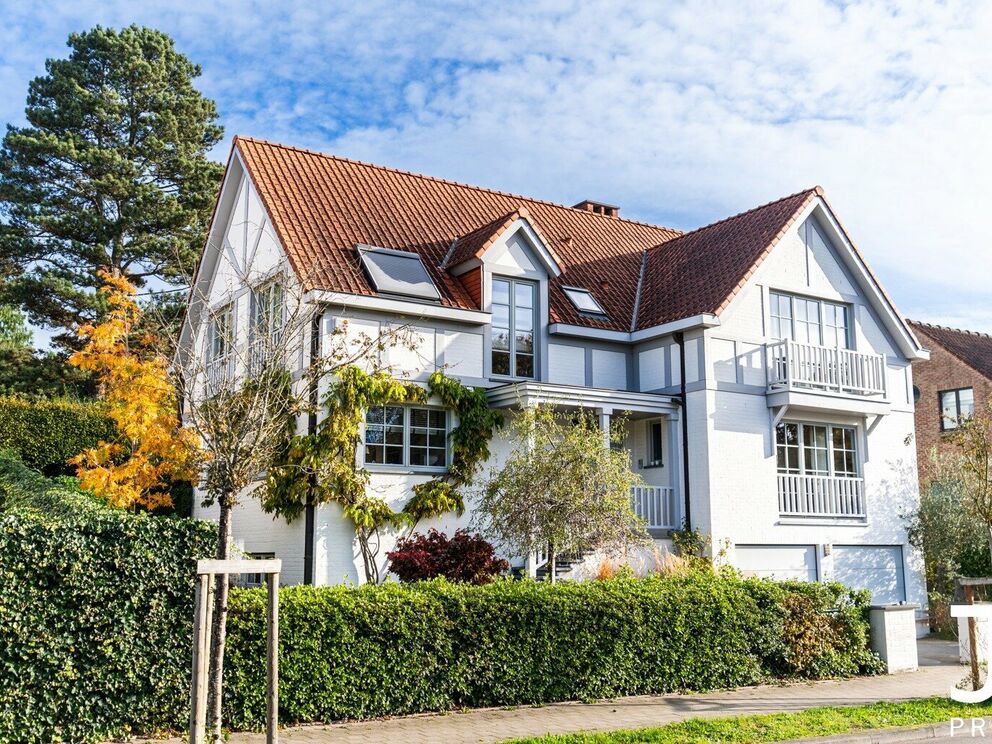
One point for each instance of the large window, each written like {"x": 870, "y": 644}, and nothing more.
{"x": 514, "y": 318}
{"x": 816, "y": 449}
{"x": 404, "y": 435}
{"x": 956, "y": 405}
{"x": 810, "y": 321}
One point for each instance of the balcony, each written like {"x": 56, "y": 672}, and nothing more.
{"x": 792, "y": 365}
{"x": 833, "y": 497}
{"x": 655, "y": 505}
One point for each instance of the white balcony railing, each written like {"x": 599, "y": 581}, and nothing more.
{"x": 655, "y": 505}
{"x": 821, "y": 496}
{"x": 794, "y": 365}
{"x": 219, "y": 372}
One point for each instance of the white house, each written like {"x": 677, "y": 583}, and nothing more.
{"x": 766, "y": 374}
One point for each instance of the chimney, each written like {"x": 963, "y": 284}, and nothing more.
{"x": 609, "y": 210}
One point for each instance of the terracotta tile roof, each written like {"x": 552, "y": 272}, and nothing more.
{"x": 971, "y": 347}
{"x": 322, "y": 206}
{"x": 701, "y": 271}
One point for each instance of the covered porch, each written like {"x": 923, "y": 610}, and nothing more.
{"x": 653, "y": 439}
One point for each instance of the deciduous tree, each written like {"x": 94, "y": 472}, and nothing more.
{"x": 561, "y": 489}
{"x": 141, "y": 399}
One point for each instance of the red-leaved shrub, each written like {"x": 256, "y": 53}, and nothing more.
{"x": 463, "y": 557}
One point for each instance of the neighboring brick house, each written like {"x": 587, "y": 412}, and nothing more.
{"x": 956, "y": 379}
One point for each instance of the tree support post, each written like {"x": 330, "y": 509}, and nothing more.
{"x": 206, "y": 570}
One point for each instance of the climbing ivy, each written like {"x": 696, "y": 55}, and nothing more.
{"x": 322, "y": 467}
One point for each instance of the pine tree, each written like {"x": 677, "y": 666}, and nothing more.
{"x": 110, "y": 173}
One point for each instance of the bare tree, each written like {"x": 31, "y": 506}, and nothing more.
{"x": 244, "y": 395}
{"x": 974, "y": 437}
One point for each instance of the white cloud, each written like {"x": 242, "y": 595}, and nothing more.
{"x": 680, "y": 112}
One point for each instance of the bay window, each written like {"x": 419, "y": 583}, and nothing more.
{"x": 406, "y": 436}
{"x": 514, "y": 318}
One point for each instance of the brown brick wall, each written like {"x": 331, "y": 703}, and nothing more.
{"x": 943, "y": 371}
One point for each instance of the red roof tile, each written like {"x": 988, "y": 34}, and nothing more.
{"x": 971, "y": 347}
{"x": 322, "y": 206}
{"x": 701, "y": 271}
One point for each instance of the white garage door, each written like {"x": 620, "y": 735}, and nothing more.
{"x": 878, "y": 568}
{"x": 778, "y": 561}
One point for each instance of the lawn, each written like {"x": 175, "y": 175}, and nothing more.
{"x": 780, "y": 726}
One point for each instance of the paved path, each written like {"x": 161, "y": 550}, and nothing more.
{"x": 938, "y": 672}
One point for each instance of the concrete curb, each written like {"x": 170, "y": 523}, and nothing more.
{"x": 905, "y": 734}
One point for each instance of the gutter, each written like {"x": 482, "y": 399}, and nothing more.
{"x": 687, "y": 506}
{"x": 309, "y": 530}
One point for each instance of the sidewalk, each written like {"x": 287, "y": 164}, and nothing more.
{"x": 938, "y": 672}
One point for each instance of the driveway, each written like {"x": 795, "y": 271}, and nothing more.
{"x": 938, "y": 672}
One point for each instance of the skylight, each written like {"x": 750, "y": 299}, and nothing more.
{"x": 397, "y": 272}
{"x": 584, "y": 301}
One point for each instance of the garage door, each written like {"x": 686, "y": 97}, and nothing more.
{"x": 778, "y": 561}
{"x": 878, "y": 568}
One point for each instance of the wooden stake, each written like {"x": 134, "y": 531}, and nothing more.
{"x": 272, "y": 681}
{"x": 203, "y": 606}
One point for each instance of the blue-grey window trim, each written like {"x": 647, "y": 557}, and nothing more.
{"x": 406, "y": 467}
{"x": 536, "y": 331}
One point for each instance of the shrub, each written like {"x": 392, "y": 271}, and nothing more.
{"x": 96, "y": 623}
{"x": 463, "y": 558}
{"x": 45, "y": 432}
{"x": 24, "y": 489}
{"x": 404, "y": 648}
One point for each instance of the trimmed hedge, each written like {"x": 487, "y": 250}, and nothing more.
{"x": 45, "y": 432}
{"x": 96, "y": 623}
{"x": 395, "y": 649}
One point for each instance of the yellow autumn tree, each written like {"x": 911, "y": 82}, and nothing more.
{"x": 152, "y": 448}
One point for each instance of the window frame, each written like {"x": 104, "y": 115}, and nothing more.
{"x": 801, "y": 447}
{"x": 407, "y": 465}
{"x": 957, "y": 407}
{"x": 227, "y": 309}
{"x": 650, "y": 460}
{"x": 513, "y": 282}
{"x": 775, "y": 317}
{"x": 266, "y": 289}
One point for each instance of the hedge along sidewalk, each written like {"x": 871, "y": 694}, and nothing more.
{"x": 499, "y": 725}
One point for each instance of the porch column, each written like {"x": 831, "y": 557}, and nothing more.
{"x": 604, "y": 424}
{"x": 677, "y": 466}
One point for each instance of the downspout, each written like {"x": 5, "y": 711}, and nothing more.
{"x": 687, "y": 506}
{"x": 309, "y": 528}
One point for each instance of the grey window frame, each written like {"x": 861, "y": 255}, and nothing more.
{"x": 406, "y": 464}
{"x": 653, "y": 462}
{"x": 822, "y": 325}
{"x": 227, "y": 309}
{"x": 801, "y": 450}
{"x": 513, "y": 282}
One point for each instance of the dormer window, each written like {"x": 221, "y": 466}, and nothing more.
{"x": 583, "y": 300}
{"x": 514, "y": 318}
{"x": 397, "y": 273}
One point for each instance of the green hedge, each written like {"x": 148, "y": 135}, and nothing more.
{"x": 394, "y": 649}
{"x": 95, "y": 623}
{"x": 45, "y": 432}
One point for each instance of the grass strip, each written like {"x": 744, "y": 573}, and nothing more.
{"x": 780, "y": 726}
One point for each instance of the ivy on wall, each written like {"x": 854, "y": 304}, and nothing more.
{"x": 322, "y": 467}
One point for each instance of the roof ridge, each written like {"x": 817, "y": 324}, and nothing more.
{"x": 818, "y": 190}
{"x": 450, "y": 182}
{"x": 939, "y": 327}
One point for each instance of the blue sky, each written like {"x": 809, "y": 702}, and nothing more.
{"x": 681, "y": 113}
